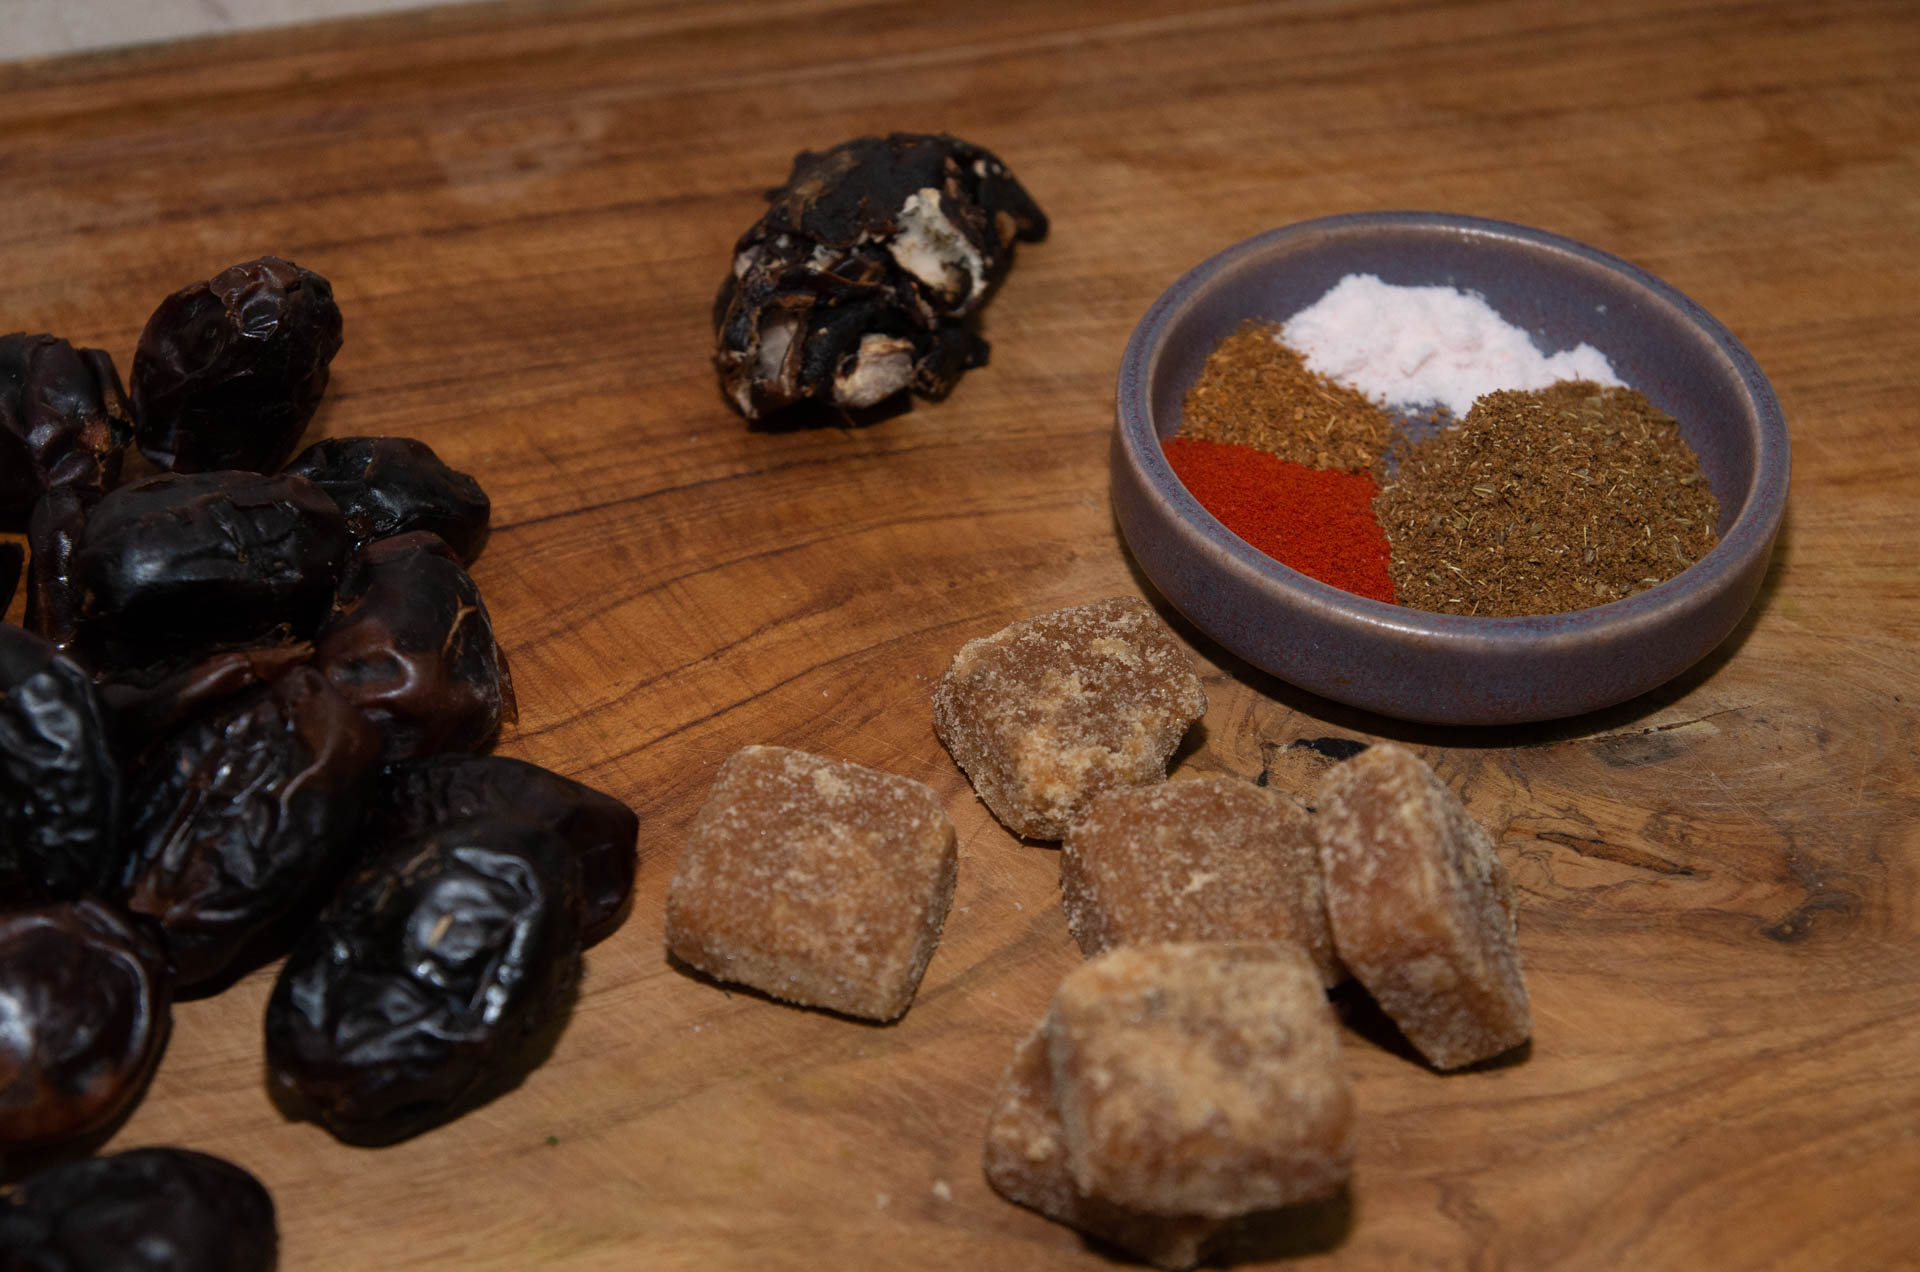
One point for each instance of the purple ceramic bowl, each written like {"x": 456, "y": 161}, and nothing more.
{"x": 1442, "y": 668}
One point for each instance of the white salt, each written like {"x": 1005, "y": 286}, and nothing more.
{"x": 1409, "y": 347}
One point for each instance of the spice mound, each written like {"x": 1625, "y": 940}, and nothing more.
{"x": 1542, "y": 502}
{"x": 858, "y": 280}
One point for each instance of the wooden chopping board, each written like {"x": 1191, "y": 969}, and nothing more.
{"x": 525, "y": 211}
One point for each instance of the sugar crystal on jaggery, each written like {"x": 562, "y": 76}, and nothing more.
{"x": 1052, "y": 710}
{"x": 814, "y": 880}
{"x": 1026, "y": 1162}
{"x": 1207, "y": 859}
{"x": 1421, "y": 908}
{"x": 1201, "y": 1079}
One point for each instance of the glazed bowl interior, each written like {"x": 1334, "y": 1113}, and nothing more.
{"x": 1411, "y": 663}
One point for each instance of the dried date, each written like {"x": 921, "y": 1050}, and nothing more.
{"x": 430, "y": 982}
{"x": 138, "y": 712}
{"x": 416, "y": 796}
{"x": 53, "y": 601}
{"x": 392, "y": 485}
{"x": 245, "y": 817}
{"x": 64, "y": 423}
{"x": 12, "y": 559}
{"x": 411, "y": 645}
{"x": 144, "y": 1210}
{"x": 856, "y": 282}
{"x": 88, "y": 996}
{"x": 179, "y": 566}
{"x": 228, "y": 372}
{"x": 59, "y": 786}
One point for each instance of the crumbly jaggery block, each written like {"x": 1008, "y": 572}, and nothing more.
{"x": 1422, "y": 910}
{"x": 1026, "y": 1162}
{"x": 1207, "y": 859}
{"x": 1201, "y": 1079}
{"x": 1050, "y": 711}
{"x": 814, "y": 880}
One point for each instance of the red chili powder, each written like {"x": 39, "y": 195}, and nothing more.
{"x": 1319, "y": 521}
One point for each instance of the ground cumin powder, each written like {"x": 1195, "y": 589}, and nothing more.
{"x": 1545, "y": 501}
{"x": 1255, "y": 391}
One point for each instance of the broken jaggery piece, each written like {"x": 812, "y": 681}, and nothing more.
{"x": 1052, "y": 710}
{"x": 1422, "y": 910}
{"x": 1201, "y": 1079}
{"x": 1026, "y": 1162}
{"x": 814, "y": 880}
{"x": 1206, "y": 859}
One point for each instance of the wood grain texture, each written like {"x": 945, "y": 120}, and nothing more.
{"x": 525, "y": 211}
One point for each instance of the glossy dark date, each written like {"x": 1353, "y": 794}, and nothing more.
{"x": 430, "y": 981}
{"x": 391, "y": 485}
{"x": 228, "y": 372}
{"x": 180, "y": 566}
{"x": 59, "y": 786}
{"x": 144, "y": 1210}
{"x": 416, "y": 796}
{"x": 247, "y": 816}
{"x": 88, "y": 997}
{"x": 139, "y": 712}
{"x": 53, "y": 599}
{"x": 64, "y": 423}
{"x": 411, "y": 645}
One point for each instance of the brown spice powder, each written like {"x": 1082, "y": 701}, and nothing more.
{"x": 1255, "y": 391}
{"x": 1542, "y": 502}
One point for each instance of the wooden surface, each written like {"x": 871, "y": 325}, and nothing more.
{"x": 525, "y": 213}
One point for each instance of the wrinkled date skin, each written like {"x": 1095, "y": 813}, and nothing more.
{"x": 144, "y": 1210}
{"x": 59, "y": 785}
{"x": 416, "y": 796}
{"x": 89, "y": 997}
{"x": 855, "y": 283}
{"x": 53, "y": 601}
{"x": 12, "y": 559}
{"x": 429, "y": 981}
{"x": 138, "y": 713}
{"x": 246, "y": 816}
{"x": 228, "y": 372}
{"x": 411, "y": 645}
{"x": 64, "y": 423}
{"x": 392, "y": 485}
{"x": 177, "y": 567}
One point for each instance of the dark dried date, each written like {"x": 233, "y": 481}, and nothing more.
{"x": 138, "y": 712}
{"x": 856, "y": 282}
{"x": 392, "y": 485}
{"x": 64, "y": 423}
{"x": 59, "y": 786}
{"x": 179, "y": 566}
{"x": 144, "y": 1210}
{"x": 228, "y": 372}
{"x": 12, "y": 559}
{"x": 416, "y": 796}
{"x": 247, "y": 816}
{"x": 88, "y": 996}
{"x": 430, "y": 981}
{"x": 53, "y": 600}
{"x": 412, "y": 646}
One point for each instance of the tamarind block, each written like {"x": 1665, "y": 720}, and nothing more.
{"x": 817, "y": 881}
{"x": 1026, "y": 1162}
{"x": 1052, "y": 710}
{"x": 1421, "y": 908}
{"x": 1200, "y": 1079}
{"x": 1205, "y": 859}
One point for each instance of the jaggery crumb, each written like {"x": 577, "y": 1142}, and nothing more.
{"x": 1255, "y": 391}
{"x": 1546, "y": 501}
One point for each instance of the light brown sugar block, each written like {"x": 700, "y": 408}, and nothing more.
{"x": 1422, "y": 910}
{"x": 814, "y": 880}
{"x": 1026, "y": 1162}
{"x": 1201, "y": 1079}
{"x": 1203, "y": 859}
{"x": 1052, "y": 710}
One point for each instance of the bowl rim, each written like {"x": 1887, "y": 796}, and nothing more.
{"x": 1752, "y": 531}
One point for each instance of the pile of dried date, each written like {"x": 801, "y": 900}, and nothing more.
{"x": 246, "y": 718}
